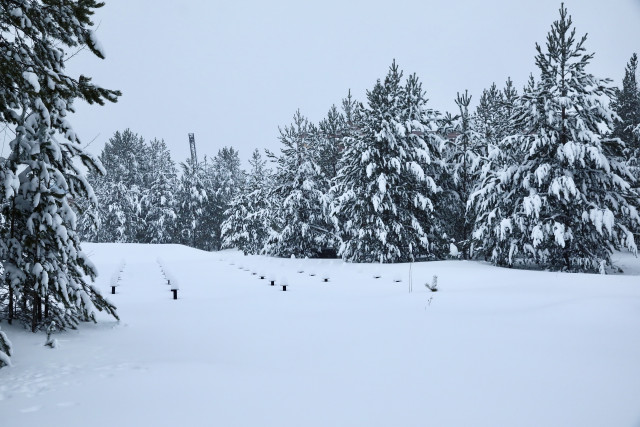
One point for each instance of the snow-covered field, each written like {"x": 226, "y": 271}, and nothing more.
{"x": 494, "y": 347}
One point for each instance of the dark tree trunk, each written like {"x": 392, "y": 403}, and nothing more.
{"x": 10, "y": 320}
{"x": 34, "y": 312}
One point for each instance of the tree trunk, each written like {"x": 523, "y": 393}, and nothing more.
{"x": 10, "y": 320}
{"x": 34, "y": 312}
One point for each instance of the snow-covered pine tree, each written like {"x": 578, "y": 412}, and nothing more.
{"x": 565, "y": 204}
{"x": 626, "y": 103}
{"x": 331, "y": 131}
{"x": 45, "y": 268}
{"x": 225, "y": 180}
{"x": 160, "y": 187}
{"x": 510, "y": 99}
{"x": 488, "y": 115}
{"x": 301, "y": 225}
{"x": 191, "y": 206}
{"x": 465, "y": 156}
{"x": 122, "y": 190}
{"x": 350, "y": 124}
{"x": 247, "y": 223}
{"x": 384, "y": 185}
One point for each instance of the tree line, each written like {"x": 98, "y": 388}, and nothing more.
{"x": 546, "y": 175}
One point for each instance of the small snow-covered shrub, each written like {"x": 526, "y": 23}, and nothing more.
{"x": 51, "y": 342}
{"x": 433, "y": 287}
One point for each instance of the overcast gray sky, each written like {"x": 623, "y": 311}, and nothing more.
{"x": 233, "y": 71}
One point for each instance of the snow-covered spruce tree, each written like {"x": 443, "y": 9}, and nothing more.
{"x": 301, "y": 224}
{"x": 385, "y": 182}
{"x": 191, "y": 206}
{"x": 565, "y": 203}
{"x": 45, "y": 268}
{"x": 160, "y": 187}
{"x": 247, "y": 224}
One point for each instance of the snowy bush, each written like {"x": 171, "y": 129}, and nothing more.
{"x": 433, "y": 287}
{"x": 51, "y": 342}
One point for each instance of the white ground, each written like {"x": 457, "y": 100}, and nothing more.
{"x": 495, "y": 347}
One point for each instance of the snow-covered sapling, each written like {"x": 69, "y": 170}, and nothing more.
{"x": 433, "y": 287}
{"x": 51, "y": 342}
{"x": 453, "y": 250}
{"x": 5, "y": 350}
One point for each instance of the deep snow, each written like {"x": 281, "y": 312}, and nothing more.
{"x": 494, "y": 347}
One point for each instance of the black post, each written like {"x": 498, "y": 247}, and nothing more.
{"x": 113, "y": 290}
{"x": 273, "y": 282}
{"x": 326, "y": 279}
{"x": 284, "y": 288}
{"x": 175, "y": 293}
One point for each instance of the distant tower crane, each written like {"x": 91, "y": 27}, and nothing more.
{"x": 192, "y": 145}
